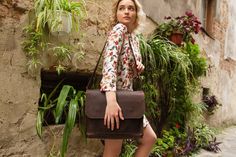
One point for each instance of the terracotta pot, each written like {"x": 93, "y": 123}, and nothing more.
{"x": 176, "y": 38}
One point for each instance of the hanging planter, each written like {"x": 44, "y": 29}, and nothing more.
{"x": 176, "y": 38}
{"x": 62, "y": 25}
{"x": 62, "y": 17}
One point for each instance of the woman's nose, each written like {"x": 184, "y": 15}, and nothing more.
{"x": 126, "y": 10}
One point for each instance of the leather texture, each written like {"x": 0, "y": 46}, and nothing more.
{"x": 132, "y": 104}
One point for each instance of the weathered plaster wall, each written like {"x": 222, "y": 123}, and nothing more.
{"x": 231, "y": 32}
{"x": 219, "y": 52}
{"x": 221, "y": 77}
{"x": 157, "y": 10}
{"x": 19, "y": 92}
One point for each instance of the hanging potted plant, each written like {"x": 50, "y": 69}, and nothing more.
{"x": 52, "y": 17}
{"x": 181, "y": 28}
{"x": 60, "y": 16}
{"x": 68, "y": 17}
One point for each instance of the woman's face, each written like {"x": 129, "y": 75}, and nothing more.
{"x": 126, "y": 13}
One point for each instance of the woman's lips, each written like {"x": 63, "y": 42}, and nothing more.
{"x": 127, "y": 18}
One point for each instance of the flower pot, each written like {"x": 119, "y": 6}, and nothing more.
{"x": 176, "y": 38}
{"x": 63, "y": 25}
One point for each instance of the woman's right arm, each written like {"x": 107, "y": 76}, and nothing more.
{"x": 108, "y": 83}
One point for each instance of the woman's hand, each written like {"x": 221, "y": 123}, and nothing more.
{"x": 140, "y": 67}
{"x": 113, "y": 112}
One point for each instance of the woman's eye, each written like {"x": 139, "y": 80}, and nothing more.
{"x": 131, "y": 8}
{"x": 122, "y": 8}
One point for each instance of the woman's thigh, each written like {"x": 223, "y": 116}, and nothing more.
{"x": 112, "y": 147}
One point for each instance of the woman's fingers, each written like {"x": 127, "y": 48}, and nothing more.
{"x": 108, "y": 122}
{"x": 121, "y": 115}
{"x": 117, "y": 122}
{"x": 140, "y": 66}
{"x": 105, "y": 120}
{"x": 112, "y": 123}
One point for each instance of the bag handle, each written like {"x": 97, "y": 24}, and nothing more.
{"x": 100, "y": 56}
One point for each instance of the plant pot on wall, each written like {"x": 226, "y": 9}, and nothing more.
{"x": 176, "y": 38}
{"x": 62, "y": 25}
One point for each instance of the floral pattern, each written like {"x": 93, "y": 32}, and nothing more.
{"x": 119, "y": 68}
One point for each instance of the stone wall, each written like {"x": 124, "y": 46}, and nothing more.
{"x": 221, "y": 77}
{"x": 19, "y": 92}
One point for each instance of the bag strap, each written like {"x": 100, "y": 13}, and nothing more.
{"x": 100, "y": 56}
{"x": 95, "y": 69}
{"x": 132, "y": 51}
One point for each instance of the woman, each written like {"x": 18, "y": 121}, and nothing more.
{"x": 119, "y": 70}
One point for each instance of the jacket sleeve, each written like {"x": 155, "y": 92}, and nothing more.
{"x": 138, "y": 55}
{"x": 111, "y": 52}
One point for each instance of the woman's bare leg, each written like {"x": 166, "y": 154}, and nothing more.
{"x": 112, "y": 148}
{"x": 146, "y": 142}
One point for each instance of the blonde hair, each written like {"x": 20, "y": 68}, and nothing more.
{"x": 140, "y": 15}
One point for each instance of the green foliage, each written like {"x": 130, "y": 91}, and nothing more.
{"x": 49, "y": 18}
{"x": 199, "y": 64}
{"x": 32, "y": 46}
{"x": 175, "y": 142}
{"x": 170, "y": 81}
{"x": 128, "y": 149}
{"x": 50, "y": 14}
{"x": 166, "y": 77}
{"x": 203, "y": 134}
{"x": 163, "y": 144}
{"x": 70, "y": 102}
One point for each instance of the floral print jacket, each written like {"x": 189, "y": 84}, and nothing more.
{"x": 119, "y": 68}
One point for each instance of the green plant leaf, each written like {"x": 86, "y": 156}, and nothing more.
{"x": 62, "y": 101}
{"x": 70, "y": 122}
{"x": 39, "y": 123}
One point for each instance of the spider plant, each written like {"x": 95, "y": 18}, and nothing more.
{"x": 70, "y": 102}
{"x": 53, "y": 14}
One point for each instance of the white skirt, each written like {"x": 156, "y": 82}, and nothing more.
{"x": 145, "y": 121}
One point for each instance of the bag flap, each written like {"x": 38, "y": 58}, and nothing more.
{"x": 132, "y": 103}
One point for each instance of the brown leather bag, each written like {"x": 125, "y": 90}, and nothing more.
{"x": 132, "y": 105}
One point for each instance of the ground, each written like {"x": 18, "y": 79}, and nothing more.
{"x": 228, "y": 145}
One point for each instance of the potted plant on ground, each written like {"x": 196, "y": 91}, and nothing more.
{"x": 180, "y": 29}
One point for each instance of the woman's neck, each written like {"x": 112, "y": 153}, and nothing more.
{"x": 130, "y": 28}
